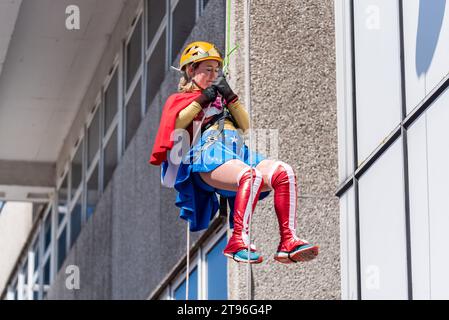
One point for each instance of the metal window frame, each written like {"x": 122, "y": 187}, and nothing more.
{"x": 199, "y": 261}
{"x": 194, "y": 263}
{"x": 150, "y": 47}
{"x": 139, "y": 76}
{"x": 216, "y": 238}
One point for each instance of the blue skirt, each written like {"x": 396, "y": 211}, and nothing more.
{"x": 198, "y": 200}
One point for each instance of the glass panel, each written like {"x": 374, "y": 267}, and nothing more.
{"x": 110, "y": 158}
{"x": 111, "y": 102}
{"x": 36, "y": 255}
{"x": 134, "y": 53}
{"x": 382, "y": 228}
{"x": 377, "y": 67}
{"x": 348, "y": 246}
{"x": 77, "y": 166}
{"x": 156, "y": 12}
{"x": 93, "y": 137}
{"x": 426, "y": 34}
{"x": 429, "y": 183}
{"x": 62, "y": 245}
{"x": 156, "y": 69}
{"x": 62, "y": 201}
{"x": 133, "y": 113}
{"x": 180, "y": 292}
{"x": 183, "y": 22}
{"x": 217, "y": 276}
{"x": 47, "y": 272}
{"x": 205, "y": 2}
{"x": 47, "y": 229}
{"x": 92, "y": 193}
{"x": 75, "y": 219}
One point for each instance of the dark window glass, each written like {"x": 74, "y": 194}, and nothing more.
{"x": 62, "y": 201}
{"x": 47, "y": 272}
{"x": 75, "y": 220}
{"x": 36, "y": 256}
{"x": 180, "y": 292}
{"x": 92, "y": 193}
{"x": 133, "y": 113}
{"x": 205, "y": 3}
{"x": 93, "y": 137}
{"x": 156, "y": 69}
{"x": 156, "y": 12}
{"x": 47, "y": 232}
{"x": 217, "y": 279}
{"x": 77, "y": 166}
{"x": 110, "y": 158}
{"x": 134, "y": 53}
{"x": 110, "y": 102}
{"x": 62, "y": 245}
{"x": 183, "y": 22}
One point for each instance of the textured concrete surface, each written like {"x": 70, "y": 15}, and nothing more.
{"x": 293, "y": 91}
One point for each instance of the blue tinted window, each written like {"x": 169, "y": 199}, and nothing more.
{"x": 217, "y": 280}
{"x": 180, "y": 292}
{"x": 75, "y": 223}
{"x": 47, "y": 272}
{"x": 62, "y": 247}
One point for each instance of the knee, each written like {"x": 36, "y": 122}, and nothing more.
{"x": 280, "y": 168}
{"x": 247, "y": 172}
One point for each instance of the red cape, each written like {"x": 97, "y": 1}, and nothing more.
{"x": 174, "y": 104}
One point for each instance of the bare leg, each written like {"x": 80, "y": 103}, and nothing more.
{"x": 225, "y": 176}
{"x": 236, "y": 176}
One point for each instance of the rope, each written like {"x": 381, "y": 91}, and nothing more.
{"x": 248, "y": 105}
{"x": 188, "y": 260}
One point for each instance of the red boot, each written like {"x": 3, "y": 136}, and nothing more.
{"x": 237, "y": 247}
{"x": 291, "y": 248}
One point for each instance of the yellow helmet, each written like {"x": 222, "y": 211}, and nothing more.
{"x": 199, "y": 51}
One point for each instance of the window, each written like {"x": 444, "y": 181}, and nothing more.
{"x": 92, "y": 193}
{"x": 133, "y": 114}
{"x": 382, "y": 228}
{"x": 110, "y": 158}
{"x": 75, "y": 221}
{"x": 134, "y": 53}
{"x": 183, "y": 20}
{"x": 217, "y": 280}
{"x": 47, "y": 230}
{"x": 93, "y": 138}
{"x": 62, "y": 246}
{"x": 429, "y": 183}
{"x": 156, "y": 12}
{"x": 180, "y": 291}
{"x": 2, "y": 204}
{"x": 110, "y": 102}
{"x": 205, "y": 2}
{"x": 208, "y": 273}
{"x": 77, "y": 166}
{"x": 156, "y": 69}
{"x": 62, "y": 201}
{"x": 426, "y": 44}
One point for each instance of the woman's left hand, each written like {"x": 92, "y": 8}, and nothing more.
{"x": 224, "y": 89}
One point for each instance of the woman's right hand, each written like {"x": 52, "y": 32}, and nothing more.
{"x": 207, "y": 96}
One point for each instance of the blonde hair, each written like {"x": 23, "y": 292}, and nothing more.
{"x": 186, "y": 83}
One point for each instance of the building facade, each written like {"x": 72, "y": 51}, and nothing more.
{"x": 392, "y": 110}
{"x": 108, "y": 229}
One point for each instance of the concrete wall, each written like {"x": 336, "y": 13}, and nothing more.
{"x": 293, "y": 90}
{"x": 135, "y": 236}
{"x": 15, "y": 225}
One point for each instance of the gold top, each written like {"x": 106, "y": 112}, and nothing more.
{"x": 238, "y": 111}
